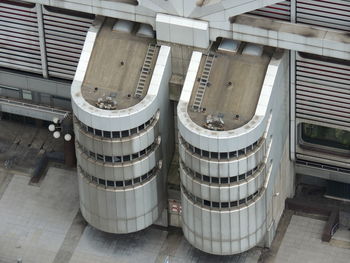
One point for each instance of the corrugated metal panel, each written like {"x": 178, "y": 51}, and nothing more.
{"x": 334, "y": 14}
{"x": 64, "y": 35}
{"x": 19, "y": 37}
{"x": 64, "y": 31}
{"x": 279, "y": 11}
{"x": 323, "y": 90}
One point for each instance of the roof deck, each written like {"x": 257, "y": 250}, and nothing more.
{"x": 120, "y": 63}
{"x": 232, "y": 85}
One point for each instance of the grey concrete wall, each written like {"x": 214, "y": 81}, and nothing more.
{"x": 281, "y": 181}
{"x": 34, "y": 83}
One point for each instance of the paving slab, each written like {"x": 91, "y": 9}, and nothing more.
{"x": 34, "y": 220}
{"x": 302, "y": 243}
{"x": 97, "y": 246}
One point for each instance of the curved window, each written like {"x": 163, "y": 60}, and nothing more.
{"x": 221, "y": 155}
{"x": 116, "y": 134}
{"x": 118, "y": 159}
{"x": 220, "y": 180}
{"x": 215, "y": 205}
{"x": 119, "y": 184}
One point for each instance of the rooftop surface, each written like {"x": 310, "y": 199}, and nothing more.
{"x": 235, "y": 83}
{"x": 115, "y": 66}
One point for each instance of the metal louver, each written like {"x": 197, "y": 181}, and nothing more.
{"x": 323, "y": 89}
{"x": 64, "y": 39}
{"x": 19, "y": 37}
{"x": 279, "y": 11}
{"x": 333, "y": 14}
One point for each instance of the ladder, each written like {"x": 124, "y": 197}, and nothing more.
{"x": 145, "y": 70}
{"x": 203, "y": 82}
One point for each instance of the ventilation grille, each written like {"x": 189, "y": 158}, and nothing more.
{"x": 334, "y": 14}
{"x": 19, "y": 37}
{"x": 323, "y": 166}
{"x": 322, "y": 90}
{"x": 64, "y": 31}
{"x": 64, "y": 36}
{"x": 279, "y": 11}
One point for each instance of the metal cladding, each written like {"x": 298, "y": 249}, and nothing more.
{"x": 226, "y": 175}
{"x": 119, "y": 151}
{"x": 42, "y": 39}
{"x": 119, "y": 178}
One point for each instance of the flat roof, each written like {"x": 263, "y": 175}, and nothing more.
{"x": 115, "y": 66}
{"x": 235, "y": 83}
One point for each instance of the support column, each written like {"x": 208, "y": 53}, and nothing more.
{"x": 39, "y": 13}
{"x": 292, "y": 127}
{"x": 293, "y": 11}
{"x": 69, "y": 145}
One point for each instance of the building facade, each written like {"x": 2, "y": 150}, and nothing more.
{"x": 228, "y": 176}
{"x": 119, "y": 129}
{"x": 233, "y": 182}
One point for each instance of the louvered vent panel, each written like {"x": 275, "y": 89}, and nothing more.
{"x": 19, "y": 37}
{"x": 323, "y": 90}
{"x": 279, "y": 11}
{"x": 64, "y": 36}
{"x": 333, "y": 14}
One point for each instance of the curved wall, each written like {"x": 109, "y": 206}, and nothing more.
{"x": 117, "y": 146}
{"x": 119, "y": 152}
{"x": 225, "y": 175}
{"x": 226, "y": 167}
{"x": 223, "y": 192}
{"x": 224, "y": 231}
{"x": 120, "y": 209}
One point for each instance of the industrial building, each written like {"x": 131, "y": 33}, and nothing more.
{"x": 252, "y": 96}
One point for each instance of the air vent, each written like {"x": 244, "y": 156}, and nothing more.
{"x": 229, "y": 45}
{"x": 145, "y": 31}
{"x": 124, "y": 26}
{"x": 253, "y": 50}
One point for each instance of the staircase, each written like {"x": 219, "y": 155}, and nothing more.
{"x": 203, "y": 82}
{"x": 145, "y": 70}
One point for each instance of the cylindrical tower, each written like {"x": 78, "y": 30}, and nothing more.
{"x": 118, "y": 104}
{"x": 225, "y": 141}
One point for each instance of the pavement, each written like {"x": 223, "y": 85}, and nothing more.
{"x": 19, "y": 150}
{"x": 302, "y": 243}
{"x": 34, "y": 220}
{"x": 42, "y": 224}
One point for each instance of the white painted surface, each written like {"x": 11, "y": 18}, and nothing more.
{"x": 183, "y": 31}
{"x": 123, "y": 26}
{"x": 204, "y": 225}
{"x": 117, "y": 120}
{"x": 298, "y": 37}
{"x": 124, "y": 209}
{"x": 225, "y": 141}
